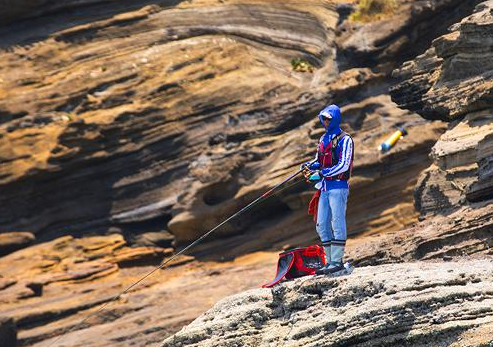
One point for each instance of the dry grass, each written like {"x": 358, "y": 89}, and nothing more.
{"x": 372, "y": 10}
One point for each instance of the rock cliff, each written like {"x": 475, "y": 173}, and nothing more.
{"x": 48, "y": 289}
{"x": 169, "y": 117}
{"x": 149, "y": 122}
{"x": 426, "y": 305}
{"x": 452, "y": 81}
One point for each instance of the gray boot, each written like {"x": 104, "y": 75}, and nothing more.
{"x": 327, "y": 250}
{"x": 337, "y": 252}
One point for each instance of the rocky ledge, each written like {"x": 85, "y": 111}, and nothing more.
{"x": 410, "y": 304}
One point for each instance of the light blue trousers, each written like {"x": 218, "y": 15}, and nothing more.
{"x": 331, "y": 215}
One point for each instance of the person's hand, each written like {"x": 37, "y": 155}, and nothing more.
{"x": 310, "y": 165}
{"x": 315, "y": 176}
{"x": 306, "y": 171}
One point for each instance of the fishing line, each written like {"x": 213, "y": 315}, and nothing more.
{"x": 169, "y": 260}
{"x": 266, "y": 195}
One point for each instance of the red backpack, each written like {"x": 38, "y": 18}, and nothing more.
{"x": 298, "y": 262}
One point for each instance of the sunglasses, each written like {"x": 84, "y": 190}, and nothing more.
{"x": 329, "y": 118}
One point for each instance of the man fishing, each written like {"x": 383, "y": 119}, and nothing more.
{"x": 332, "y": 169}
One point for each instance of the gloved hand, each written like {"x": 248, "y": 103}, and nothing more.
{"x": 311, "y": 166}
{"x": 314, "y": 166}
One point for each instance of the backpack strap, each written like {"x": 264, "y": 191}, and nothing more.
{"x": 335, "y": 141}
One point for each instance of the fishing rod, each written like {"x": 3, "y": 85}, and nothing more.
{"x": 169, "y": 260}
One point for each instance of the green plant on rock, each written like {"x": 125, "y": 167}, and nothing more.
{"x": 372, "y": 10}
{"x": 301, "y": 65}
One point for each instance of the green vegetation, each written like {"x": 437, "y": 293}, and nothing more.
{"x": 301, "y": 65}
{"x": 372, "y": 10}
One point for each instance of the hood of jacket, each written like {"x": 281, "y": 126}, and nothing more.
{"x": 335, "y": 112}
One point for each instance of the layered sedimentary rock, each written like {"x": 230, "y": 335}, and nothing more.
{"x": 48, "y": 289}
{"x": 170, "y": 117}
{"x": 399, "y": 37}
{"x": 482, "y": 187}
{"x": 465, "y": 232}
{"x": 10, "y": 242}
{"x": 45, "y": 289}
{"x": 158, "y": 121}
{"x": 454, "y": 195}
{"x": 452, "y": 81}
{"x": 412, "y": 304}
{"x": 457, "y": 65}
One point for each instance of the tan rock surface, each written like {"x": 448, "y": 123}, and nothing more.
{"x": 464, "y": 232}
{"x": 12, "y": 241}
{"x": 58, "y": 284}
{"x": 413, "y": 304}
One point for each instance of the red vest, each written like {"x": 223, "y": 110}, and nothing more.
{"x": 330, "y": 155}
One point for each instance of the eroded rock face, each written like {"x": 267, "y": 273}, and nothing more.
{"x": 464, "y": 232}
{"x": 460, "y": 174}
{"x": 170, "y": 117}
{"x": 412, "y": 304}
{"x": 399, "y": 37}
{"x": 457, "y": 65}
{"x": 46, "y": 290}
{"x": 156, "y": 122}
{"x": 482, "y": 187}
{"x": 452, "y": 81}
{"x": 155, "y": 145}
{"x": 454, "y": 193}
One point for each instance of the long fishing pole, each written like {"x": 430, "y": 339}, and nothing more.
{"x": 169, "y": 260}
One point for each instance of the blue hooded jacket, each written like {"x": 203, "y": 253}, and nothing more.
{"x": 345, "y": 145}
{"x": 333, "y": 129}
